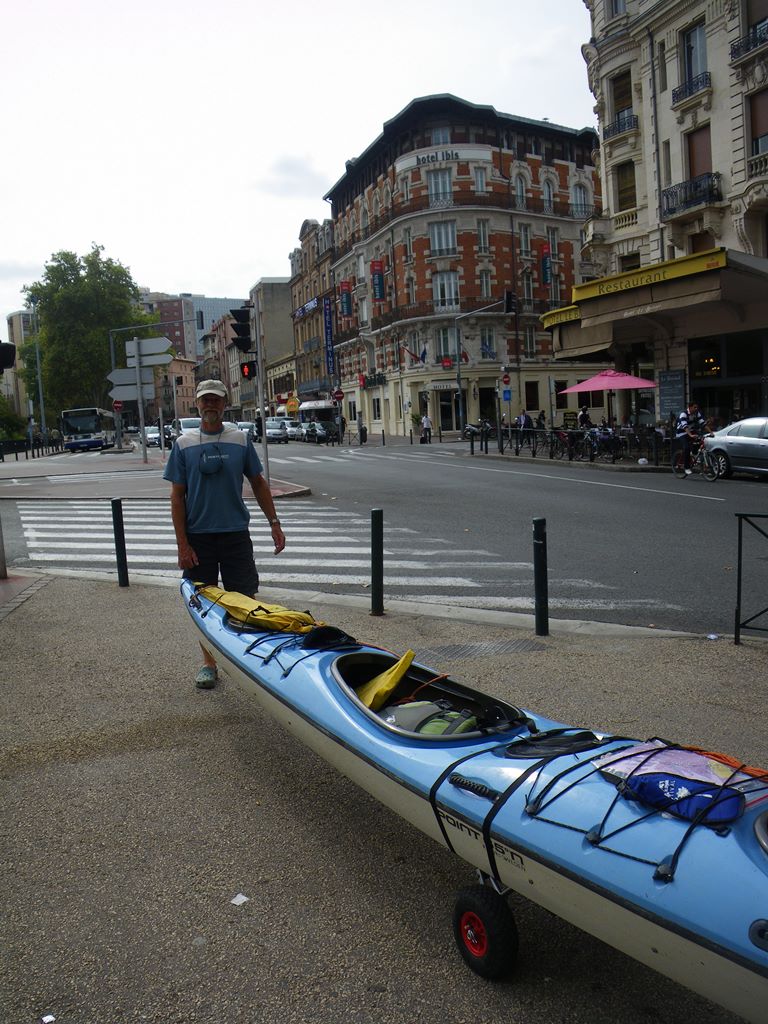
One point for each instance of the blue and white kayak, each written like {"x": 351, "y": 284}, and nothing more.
{"x": 657, "y": 849}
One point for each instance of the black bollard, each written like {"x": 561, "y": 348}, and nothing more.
{"x": 383, "y": 439}
{"x": 119, "y": 531}
{"x": 540, "y": 576}
{"x": 377, "y": 561}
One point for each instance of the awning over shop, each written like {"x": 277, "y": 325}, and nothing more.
{"x": 620, "y": 308}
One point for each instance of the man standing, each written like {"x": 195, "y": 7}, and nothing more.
{"x": 209, "y": 516}
{"x": 426, "y": 428}
{"x": 690, "y": 424}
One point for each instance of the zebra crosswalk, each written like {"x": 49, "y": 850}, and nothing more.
{"x": 328, "y": 549}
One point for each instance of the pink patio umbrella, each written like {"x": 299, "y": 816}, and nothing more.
{"x": 610, "y": 380}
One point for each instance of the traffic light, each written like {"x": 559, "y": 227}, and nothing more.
{"x": 510, "y": 302}
{"x": 248, "y": 370}
{"x": 7, "y": 356}
{"x": 241, "y": 327}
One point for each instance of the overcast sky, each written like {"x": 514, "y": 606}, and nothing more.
{"x": 191, "y": 139}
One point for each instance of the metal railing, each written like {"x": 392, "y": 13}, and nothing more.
{"x": 623, "y": 123}
{"x": 740, "y": 623}
{"x": 692, "y": 86}
{"x": 704, "y": 188}
{"x": 503, "y": 200}
{"x": 757, "y": 36}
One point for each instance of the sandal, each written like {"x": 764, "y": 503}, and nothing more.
{"x": 206, "y": 678}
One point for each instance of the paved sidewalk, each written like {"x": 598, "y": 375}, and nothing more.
{"x": 136, "y": 807}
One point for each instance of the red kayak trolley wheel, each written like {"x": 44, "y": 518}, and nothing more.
{"x": 485, "y": 932}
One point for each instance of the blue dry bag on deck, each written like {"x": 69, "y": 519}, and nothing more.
{"x": 686, "y": 798}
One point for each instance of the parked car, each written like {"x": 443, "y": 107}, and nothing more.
{"x": 275, "y": 430}
{"x": 320, "y": 432}
{"x": 249, "y": 427}
{"x": 152, "y": 437}
{"x": 186, "y": 425}
{"x": 741, "y": 447}
{"x": 294, "y": 429}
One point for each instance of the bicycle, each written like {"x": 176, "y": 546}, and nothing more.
{"x": 598, "y": 445}
{"x": 701, "y": 461}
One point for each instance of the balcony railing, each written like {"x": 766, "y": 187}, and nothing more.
{"x": 623, "y": 123}
{"x": 705, "y": 188}
{"x": 501, "y": 200}
{"x": 757, "y": 36}
{"x": 691, "y": 87}
{"x": 757, "y": 166}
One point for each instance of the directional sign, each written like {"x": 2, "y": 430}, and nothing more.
{"x": 128, "y": 393}
{"x": 129, "y": 376}
{"x": 156, "y": 360}
{"x": 147, "y": 346}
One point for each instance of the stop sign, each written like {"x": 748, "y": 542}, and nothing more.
{"x": 117, "y": 405}
{"x": 338, "y": 394}
{"x": 505, "y": 379}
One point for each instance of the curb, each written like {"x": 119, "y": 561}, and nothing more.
{"x": 292, "y": 598}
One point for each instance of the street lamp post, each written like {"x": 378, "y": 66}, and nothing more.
{"x": 460, "y": 316}
{"x": 39, "y": 374}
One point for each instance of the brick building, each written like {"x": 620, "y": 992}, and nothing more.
{"x": 451, "y": 206}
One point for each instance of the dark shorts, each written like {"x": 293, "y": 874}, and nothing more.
{"x": 230, "y": 554}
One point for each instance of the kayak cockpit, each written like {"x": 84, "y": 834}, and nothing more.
{"x": 422, "y": 704}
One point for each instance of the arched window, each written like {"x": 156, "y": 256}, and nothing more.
{"x": 580, "y": 205}
{"x": 520, "y": 192}
{"x": 548, "y": 196}
{"x": 364, "y": 218}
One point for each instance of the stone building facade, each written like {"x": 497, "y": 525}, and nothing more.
{"x": 681, "y": 89}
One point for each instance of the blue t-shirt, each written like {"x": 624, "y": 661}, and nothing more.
{"x": 214, "y": 500}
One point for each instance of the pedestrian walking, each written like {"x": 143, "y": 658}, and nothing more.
{"x": 426, "y": 428}
{"x": 209, "y": 516}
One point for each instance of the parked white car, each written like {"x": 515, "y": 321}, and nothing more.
{"x": 276, "y": 430}
{"x": 294, "y": 430}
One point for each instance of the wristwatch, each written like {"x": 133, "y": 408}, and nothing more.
{"x": 273, "y": 521}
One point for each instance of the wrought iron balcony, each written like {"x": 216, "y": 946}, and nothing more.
{"x": 623, "y": 123}
{"x": 757, "y": 36}
{"x": 705, "y": 188}
{"x": 501, "y": 199}
{"x": 691, "y": 87}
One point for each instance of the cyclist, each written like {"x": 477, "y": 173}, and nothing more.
{"x": 690, "y": 425}
{"x": 583, "y": 418}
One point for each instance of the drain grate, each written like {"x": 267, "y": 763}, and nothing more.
{"x": 482, "y": 649}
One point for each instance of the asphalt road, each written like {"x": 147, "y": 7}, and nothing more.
{"x": 627, "y": 547}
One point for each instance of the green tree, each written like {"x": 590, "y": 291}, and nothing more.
{"x": 77, "y": 302}
{"x": 11, "y": 425}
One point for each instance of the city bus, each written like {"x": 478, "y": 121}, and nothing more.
{"x": 87, "y": 429}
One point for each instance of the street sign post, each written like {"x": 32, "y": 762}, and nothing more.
{"x": 130, "y": 392}
{"x": 154, "y": 360}
{"x": 146, "y": 346}
{"x": 129, "y": 376}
